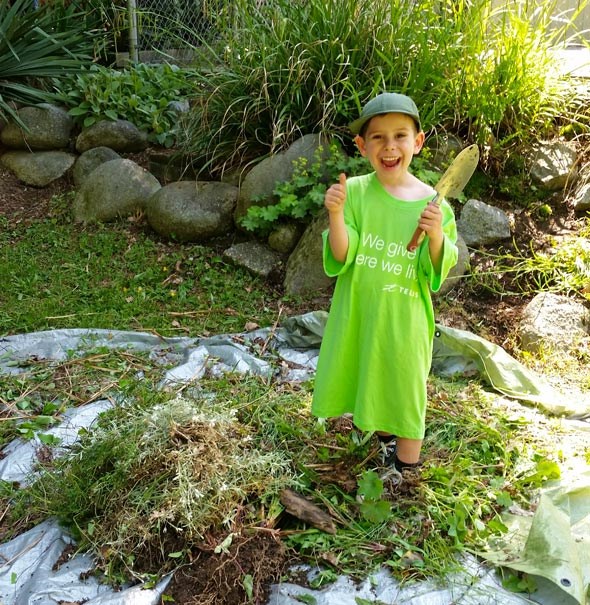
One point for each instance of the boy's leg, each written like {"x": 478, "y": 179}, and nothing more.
{"x": 399, "y": 452}
{"x": 408, "y": 450}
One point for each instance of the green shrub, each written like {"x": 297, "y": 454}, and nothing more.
{"x": 143, "y": 94}
{"x": 302, "y": 196}
{"x": 288, "y": 68}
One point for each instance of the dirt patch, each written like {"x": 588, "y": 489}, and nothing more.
{"x": 20, "y": 203}
{"x": 239, "y": 576}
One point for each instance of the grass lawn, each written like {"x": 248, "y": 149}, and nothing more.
{"x": 57, "y": 274}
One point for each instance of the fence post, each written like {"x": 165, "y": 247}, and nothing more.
{"x": 133, "y": 53}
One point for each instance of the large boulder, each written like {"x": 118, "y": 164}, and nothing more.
{"x": 38, "y": 168}
{"x": 580, "y": 196}
{"x": 284, "y": 237}
{"x": 119, "y": 135}
{"x": 114, "y": 189}
{"x": 481, "y": 224}
{"x": 90, "y": 160}
{"x": 259, "y": 184}
{"x": 305, "y": 269}
{"x": 553, "y": 164}
{"x": 192, "y": 211}
{"x": 553, "y": 322}
{"x": 47, "y": 128}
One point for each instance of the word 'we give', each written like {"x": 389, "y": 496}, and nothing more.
{"x": 391, "y": 249}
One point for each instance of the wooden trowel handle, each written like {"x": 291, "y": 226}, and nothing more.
{"x": 416, "y": 239}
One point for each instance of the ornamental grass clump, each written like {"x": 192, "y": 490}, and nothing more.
{"x": 38, "y": 41}
{"x": 277, "y": 70}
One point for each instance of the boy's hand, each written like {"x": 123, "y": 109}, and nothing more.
{"x": 431, "y": 221}
{"x": 335, "y": 197}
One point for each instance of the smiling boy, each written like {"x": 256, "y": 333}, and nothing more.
{"x": 377, "y": 346}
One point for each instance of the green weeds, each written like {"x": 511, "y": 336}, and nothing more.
{"x": 37, "y": 393}
{"x": 563, "y": 267}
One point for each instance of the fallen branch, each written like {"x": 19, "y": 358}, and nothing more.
{"x": 303, "y": 509}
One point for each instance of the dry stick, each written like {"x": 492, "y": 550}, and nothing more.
{"x": 272, "y": 331}
{"x": 71, "y": 315}
{"x": 97, "y": 395}
{"x": 8, "y": 507}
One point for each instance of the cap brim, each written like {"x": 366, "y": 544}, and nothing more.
{"x": 356, "y": 126}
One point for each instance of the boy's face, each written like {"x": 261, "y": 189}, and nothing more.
{"x": 389, "y": 143}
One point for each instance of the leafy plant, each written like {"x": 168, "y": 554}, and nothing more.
{"x": 373, "y": 508}
{"x": 302, "y": 196}
{"x": 147, "y": 95}
{"x": 519, "y": 582}
{"x": 37, "y": 42}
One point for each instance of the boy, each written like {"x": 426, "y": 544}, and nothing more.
{"x": 377, "y": 346}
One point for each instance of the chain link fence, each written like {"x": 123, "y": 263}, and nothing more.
{"x": 166, "y": 29}
{"x": 164, "y": 24}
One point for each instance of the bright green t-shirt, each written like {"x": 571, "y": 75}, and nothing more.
{"x": 376, "y": 350}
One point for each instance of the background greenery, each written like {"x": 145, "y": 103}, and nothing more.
{"x": 266, "y": 73}
{"x": 149, "y": 96}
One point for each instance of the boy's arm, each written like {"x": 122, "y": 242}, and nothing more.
{"x": 334, "y": 201}
{"x": 435, "y": 247}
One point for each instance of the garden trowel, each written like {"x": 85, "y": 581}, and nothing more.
{"x": 451, "y": 184}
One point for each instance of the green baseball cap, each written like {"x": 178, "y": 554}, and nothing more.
{"x": 386, "y": 102}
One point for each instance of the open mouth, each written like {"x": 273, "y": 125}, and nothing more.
{"x": 390, "y": 162}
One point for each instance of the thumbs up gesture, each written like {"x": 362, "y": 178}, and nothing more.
{"x": 335, "y": 197}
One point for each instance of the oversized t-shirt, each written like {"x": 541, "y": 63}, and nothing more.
{"x": 376, "y": 350}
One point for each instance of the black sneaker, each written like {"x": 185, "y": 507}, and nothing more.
{"x": 388, "y": 452}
